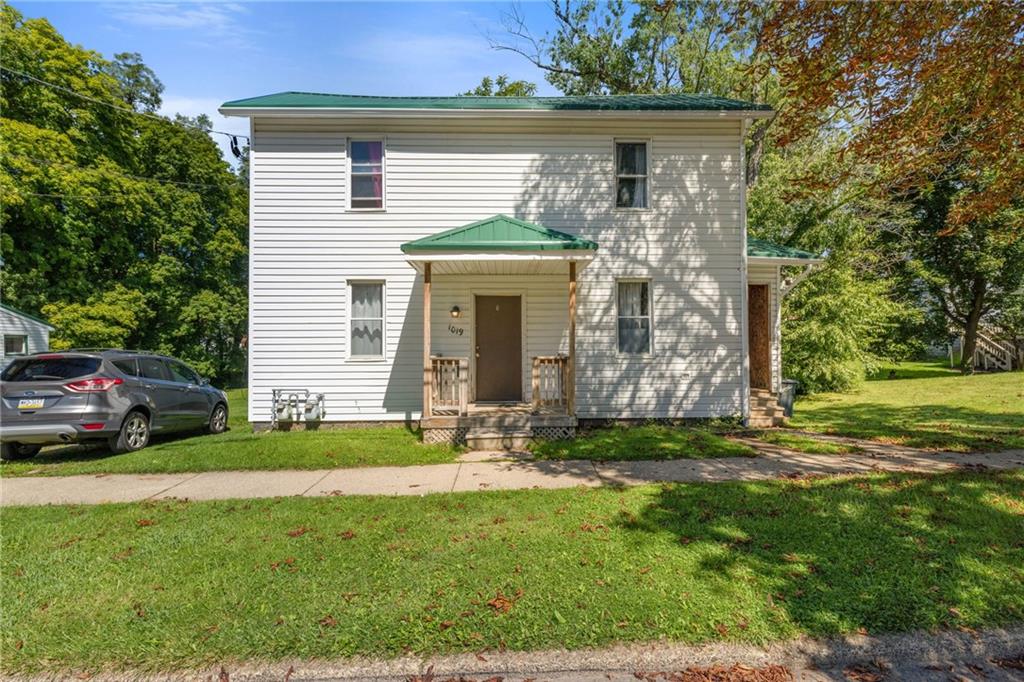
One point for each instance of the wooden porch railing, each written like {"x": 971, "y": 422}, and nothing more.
{"x": 449, "y": 385}
{"x": 550, "y": 381}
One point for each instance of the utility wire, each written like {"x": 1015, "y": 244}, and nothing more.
{"x": 114, "y": 106}
{"x": 47, "y": 162}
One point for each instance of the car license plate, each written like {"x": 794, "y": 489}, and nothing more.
{"x": 30, "y": 403}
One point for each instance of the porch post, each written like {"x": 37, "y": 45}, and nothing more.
{"x": 571, "y": 370}
{"x": 427, "y": 368}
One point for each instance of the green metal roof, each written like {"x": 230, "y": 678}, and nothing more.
{"x": 24, "y": 314}
{"x": 499, "y": 233}
{"x": 760, "y": 248}
{"x": 680, "y": 102}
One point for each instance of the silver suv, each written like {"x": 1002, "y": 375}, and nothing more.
{"x": 116, "y": 396}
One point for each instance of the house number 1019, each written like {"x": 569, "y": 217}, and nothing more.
{"x": 457, "y": 331}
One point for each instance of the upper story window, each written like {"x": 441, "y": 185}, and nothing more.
{"x": 634, "y": 314}
{"x": 366, "y": 173}
{"x": 631, "y": 175}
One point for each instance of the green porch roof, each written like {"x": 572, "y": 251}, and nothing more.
{"x": 499, "y": 233}
{"x": 679, "y": 102}
{"x": 759, "y": 248}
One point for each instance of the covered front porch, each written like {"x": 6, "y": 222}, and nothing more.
{"x": 499, "y": 329}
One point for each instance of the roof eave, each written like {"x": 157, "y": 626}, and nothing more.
{"x": 779, "y": 260}
{"x": 349, "y": 112}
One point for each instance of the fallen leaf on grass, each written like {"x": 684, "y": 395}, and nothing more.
{"x": 445, "y": 624}
{"x": 327, "y": 621}
{"x": 346, "y": 535}
{"x": 123, "y": 555}
{"x": 142, "y": 523}
{"x": 19, "y": 644}
{"x": 503, "y": 604}
{"x": 67, "y": 543}
{"x": 299, "y": 532}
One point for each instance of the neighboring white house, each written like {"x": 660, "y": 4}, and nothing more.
{"x": 576, "y": 257}
{"x": 22, "y": 334}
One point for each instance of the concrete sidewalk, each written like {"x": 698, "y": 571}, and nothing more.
{"x": 773, "y": 462}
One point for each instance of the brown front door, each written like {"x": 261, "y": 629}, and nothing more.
{"x": 760, "y": 336}
{"x": 499, "y": 348}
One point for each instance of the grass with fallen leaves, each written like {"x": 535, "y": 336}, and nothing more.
{"x": 806, "y": 444}
{"x": 176, "y": 584}
{"x": 925, "y": 405}
{"x": 241, "y": 449}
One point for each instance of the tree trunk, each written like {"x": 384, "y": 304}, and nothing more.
{"x": 971, "y": 328}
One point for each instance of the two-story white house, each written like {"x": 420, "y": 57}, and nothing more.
{"x": 505, "y": 267}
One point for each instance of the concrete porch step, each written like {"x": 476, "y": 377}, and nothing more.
{"x": 758, "y": 422}
{"x": 483, "y": 438}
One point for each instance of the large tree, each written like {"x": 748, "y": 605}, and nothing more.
{"x": 651, "y": 46}
{"x": 974, "y": 272}
{"x": 124, "y": 228}
{"x": 927, "y": 88}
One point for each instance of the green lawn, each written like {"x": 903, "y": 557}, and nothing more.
{"x": 794, "y": 441}
{"x": 649, "y": 441}
{"x": 240, "y": 448}
{"x": 928, "y": 406}
{"x": 175, "y": 583}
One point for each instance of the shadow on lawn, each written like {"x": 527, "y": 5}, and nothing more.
{"x": 913, "y": 371}
{"x": 885, "y": 554}
{"x": 90, "y": 452}
{"x": 921, "y": 426}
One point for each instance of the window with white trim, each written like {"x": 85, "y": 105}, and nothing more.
{"x": 366, "y": 174}
{"x": 366, "y": 320}
{"x": 634, "y": 316}
{"x": 631, "y": 173}
{"x": 15, "y": 345}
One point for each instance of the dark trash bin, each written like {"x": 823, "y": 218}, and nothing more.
{"x": 787, "y": 394}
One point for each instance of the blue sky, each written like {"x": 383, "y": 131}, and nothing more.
{"x": 209, "y": 52}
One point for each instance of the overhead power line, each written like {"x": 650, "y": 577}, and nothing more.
{"x": 126, "y": 110}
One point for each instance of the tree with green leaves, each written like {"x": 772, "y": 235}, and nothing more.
{"x": 662, "y": 46}
{"x": 973, "y": 272}
{"x": 123, "y": 227}
{"x": 503, "y": 87}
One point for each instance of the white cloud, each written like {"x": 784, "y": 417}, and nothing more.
{"x": 194, "y": 106}
{"x": 211, "y": 20}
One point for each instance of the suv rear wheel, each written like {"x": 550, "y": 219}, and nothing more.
{"x": 218, "y": 419}
{"x": 12, "y": 451}
{"x": 134, "y": 434}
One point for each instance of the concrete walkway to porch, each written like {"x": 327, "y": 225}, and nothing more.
{"x": 504, "y": 474}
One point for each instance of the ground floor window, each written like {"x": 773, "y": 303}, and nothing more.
{"x": 634, "y": 316}
{"x": 15, "y": 345}
{"x": 366, "y": 316}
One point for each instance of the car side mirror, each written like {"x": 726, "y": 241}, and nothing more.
{"x": 204, "y": 381}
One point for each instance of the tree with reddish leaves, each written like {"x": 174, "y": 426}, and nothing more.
{"x": 923, "y": 87}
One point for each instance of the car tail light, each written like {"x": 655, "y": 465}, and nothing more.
{"x": 94, "y": 385}
{"x": 93, "y": 426}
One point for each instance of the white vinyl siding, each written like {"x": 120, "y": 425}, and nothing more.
{"x": 306, "y": 246}
{"x": 36, "y": 336}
